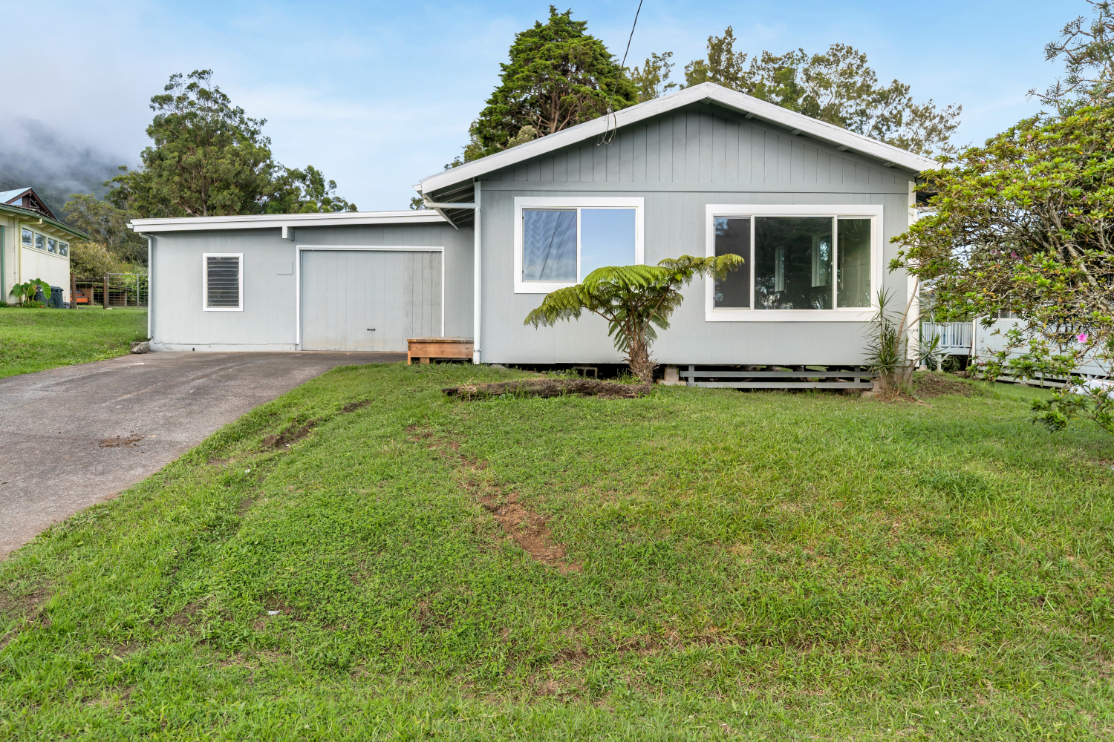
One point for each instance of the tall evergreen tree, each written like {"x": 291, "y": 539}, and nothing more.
{"x": 558, "y": 76}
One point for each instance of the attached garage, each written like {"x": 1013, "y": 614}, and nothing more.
{"x": 338, "y": 282}
{"x": 363, "y": 298}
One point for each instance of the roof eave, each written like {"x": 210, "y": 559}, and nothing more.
{"x": 276, "y": 221}
{"x": 33, "y": 215}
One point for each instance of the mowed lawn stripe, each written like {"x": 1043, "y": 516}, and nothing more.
{"x": 37, "y": 339}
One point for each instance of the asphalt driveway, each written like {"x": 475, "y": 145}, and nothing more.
{"x": 71, "y": 437}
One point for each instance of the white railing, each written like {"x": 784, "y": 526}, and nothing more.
{"x": 955, "y": 337}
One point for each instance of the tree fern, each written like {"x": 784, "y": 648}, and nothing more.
{"x": 636, "y": 301}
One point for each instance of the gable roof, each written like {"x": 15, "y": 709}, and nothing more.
{"x": 25, "y": 204}
{"x": 6, "y": 197}
{"x": 27, "y": 199}
{"x": 749, "y": 106}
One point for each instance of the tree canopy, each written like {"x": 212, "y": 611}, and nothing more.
{"x": 838, "y": 87}
{"x": 558, "y": 76}
{"x": 1025, "y": 224}
{"x": 107, "y": 226}
{"x": 1087, "y": 49}
{"x": 209, "y": 158}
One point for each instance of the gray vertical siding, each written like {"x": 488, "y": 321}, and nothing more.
{"x": 269, "y": 316}
{"x": 369, "y": 300}
{"x": 704, "y": 145}
{"x": 679, "y": 164}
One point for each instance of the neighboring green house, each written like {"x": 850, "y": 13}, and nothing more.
{"x": 34, "y": 243}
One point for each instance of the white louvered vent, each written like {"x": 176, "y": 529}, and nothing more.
{"x": 223, "y": 282}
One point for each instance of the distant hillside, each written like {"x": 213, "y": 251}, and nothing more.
{"x": 33, "y": 155}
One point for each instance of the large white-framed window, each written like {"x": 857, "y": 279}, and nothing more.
{"x": 558, "y": 241}
{"x": 801, "y": 263}
{"x": 222, "y": 281}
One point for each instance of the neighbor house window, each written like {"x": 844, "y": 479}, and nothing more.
{"x": 52, "y": 245}
{"x": 28, "y": 239}
{"x": 223, "y": 282}
{"x": 800, "y": 262}
{"x": 63, "y": 248}
{"x": 40, "y": 241}
{"x": 559, "y": 241}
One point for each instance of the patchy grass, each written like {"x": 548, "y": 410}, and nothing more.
{"x": 37, "y": 339}
{"x": 695, "y": 564}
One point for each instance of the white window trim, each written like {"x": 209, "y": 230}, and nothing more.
{"x": 874, "y": 213}
{"x": 572, "y": 202}
{"x": 205, "y": 281}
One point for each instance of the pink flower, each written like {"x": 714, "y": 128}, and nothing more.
{"x": 1082, "y": 337}
{"x": 1013, "y": 254}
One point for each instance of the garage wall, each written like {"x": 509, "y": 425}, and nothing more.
{"x": 268, "y": 320}
{"x": 458, "y": 245}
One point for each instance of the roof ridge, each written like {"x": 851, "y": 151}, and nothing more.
{"x": 767, "y": 112}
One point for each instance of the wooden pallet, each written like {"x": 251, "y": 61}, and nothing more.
{"x": 777, "y": 379}
{"x": 448, "y": 349}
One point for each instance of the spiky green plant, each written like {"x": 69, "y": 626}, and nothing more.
{"x": 890, "y": 351}
{"x": 634, "y": 299}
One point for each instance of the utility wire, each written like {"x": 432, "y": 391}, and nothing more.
{"x": 609, "y": 133}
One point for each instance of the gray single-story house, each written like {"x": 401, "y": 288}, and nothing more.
{"x": 707, "y": 170}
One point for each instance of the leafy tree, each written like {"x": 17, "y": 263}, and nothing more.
{"x": 107, "y": 225}
{"x": 558, "y": 76}
{"x": 652, "y": 79}
{"x": 838, "y": 87}
{"x": 94, "y": 259}
{"x": 1087, "y": 48}
{"x": 723, "y": 65}
{"x": 306, "y": 192}
{"x": 1023, "y": 225}
{"x": 209, "y": 158}
{"x": 634, "y": 299}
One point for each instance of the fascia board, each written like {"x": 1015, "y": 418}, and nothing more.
{"x": 190, "y": 224}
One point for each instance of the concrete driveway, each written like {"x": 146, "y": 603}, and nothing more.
{"x": 71, "y": 437}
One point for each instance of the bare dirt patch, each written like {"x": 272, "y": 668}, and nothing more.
{"x": 120, "y": 441}
{"x": 546, "y": 388}
{"x": 290, "y": 436}
{"x": 298, "y": 430}
{"x": 27, "y": 609}
{"x": 183, "y": 618}
{"x": 526, "y": 528}
{"x": 937, "y": 385}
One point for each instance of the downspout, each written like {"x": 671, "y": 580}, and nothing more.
{"x": 476, "y": 304}
{"x": 150, "y": 282}
{"x": 3, "y": 267}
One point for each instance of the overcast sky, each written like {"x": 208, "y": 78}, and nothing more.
{"x": 378, "y": 95}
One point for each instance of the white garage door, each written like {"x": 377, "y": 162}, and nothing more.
{"x": 369, "y": 299}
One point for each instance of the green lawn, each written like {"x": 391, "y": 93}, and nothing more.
{"x": 714, "y": 565}
{"x": 37, "y": 339}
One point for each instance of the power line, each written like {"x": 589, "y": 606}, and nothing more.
{"x": 609, "y": 133}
